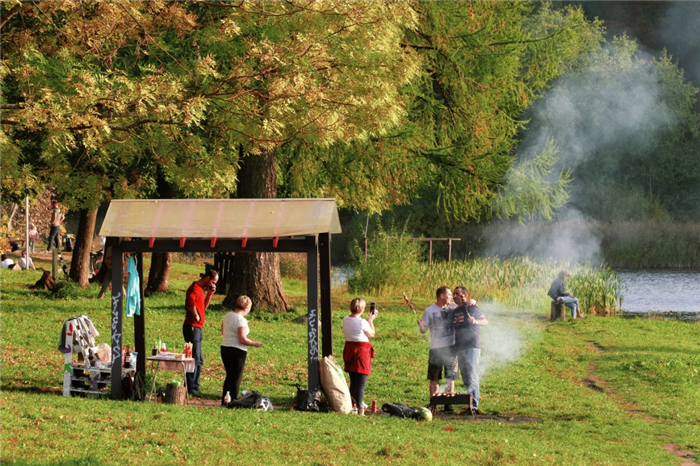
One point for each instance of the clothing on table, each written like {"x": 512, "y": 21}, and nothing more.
{"x": 85, "y": 330}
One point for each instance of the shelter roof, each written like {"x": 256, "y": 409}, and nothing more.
{"x": 220, "y": 218}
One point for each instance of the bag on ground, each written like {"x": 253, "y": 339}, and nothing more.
{"x": 252, "y": 400}
{"x": 334, "y": 385}
{"x": 308, "y": 400}
{"x": 401, "y": 410}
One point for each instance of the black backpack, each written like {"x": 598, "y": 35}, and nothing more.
{"x": 400, "y": 410}
{"x": 252, "y": 400}
{"x": 308, "y": 400}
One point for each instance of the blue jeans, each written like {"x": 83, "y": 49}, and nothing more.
{"x": 469, "y": 367}
{"x": 194, "y": 335}
{"x": 571, "y": 303}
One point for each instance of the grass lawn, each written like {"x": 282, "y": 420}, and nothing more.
{"x": 598, "y": 391}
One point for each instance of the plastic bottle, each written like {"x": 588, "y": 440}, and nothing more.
{"x": 227, "y": 398}
{"x": 354, "y": 408}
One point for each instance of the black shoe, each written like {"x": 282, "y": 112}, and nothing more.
{"x": 449, "y": 409}
{"x": 194, "y": 393}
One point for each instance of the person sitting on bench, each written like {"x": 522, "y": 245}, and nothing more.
{"x": 559, "y": 294}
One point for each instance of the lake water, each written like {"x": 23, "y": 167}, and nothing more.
{"x": 661, "y": 293}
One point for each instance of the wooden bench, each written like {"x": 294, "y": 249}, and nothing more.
{"x": 558, "y": 311}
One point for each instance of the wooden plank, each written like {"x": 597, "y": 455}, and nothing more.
{"x": 300, "y": 244}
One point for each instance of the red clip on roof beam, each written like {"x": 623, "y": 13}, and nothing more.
{"x": 150, "y": 242}
{"x": 274, "y": 241}
{"x": 213, "y": 243}
{"x": 182, "y": 242}
{"x": 244, "y": 241}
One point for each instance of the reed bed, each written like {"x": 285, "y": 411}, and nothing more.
{"x": 520, "y": 282}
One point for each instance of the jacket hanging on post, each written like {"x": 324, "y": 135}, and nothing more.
{"x": 133, "y": 289}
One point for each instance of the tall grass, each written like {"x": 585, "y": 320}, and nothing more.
{"x": 395, "y": 266}
{"x": 646, "y": 245}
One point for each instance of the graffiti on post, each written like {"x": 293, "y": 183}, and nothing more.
{"x": 313, "y": 335}
{"x": 116, "y": 336}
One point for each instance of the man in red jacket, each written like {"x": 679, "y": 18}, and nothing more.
{"x": 196, "y": 302}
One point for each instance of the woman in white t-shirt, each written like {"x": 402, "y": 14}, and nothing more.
{"x": 234, "y": 330}
{"x": 358, "y": 351}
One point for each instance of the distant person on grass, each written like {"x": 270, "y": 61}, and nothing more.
{"x": 438, "y": 318}
{"x": 559, "y": 294}
{"x": 25, "y": 262}
{"x": 234, "y": 346}
{"x": 467, "y": 318}
{"x": 358, "y": 351}
{"x": 33, "y": 236}
{"x": 196, "y": 302}
{"x": 55, "y": 230}
{"x": 6, "y": 263}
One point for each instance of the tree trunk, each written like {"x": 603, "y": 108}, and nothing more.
{"x": 80, "y": 264}
{"x": 159, "y": 273}
{"x": 258, "y": 274}
{"x": 11, "y": 218}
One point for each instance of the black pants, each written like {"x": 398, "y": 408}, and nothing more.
{"x": 234, "y": 363}
{"x": 357, "y": 387}
{"x": 53, "y": 237}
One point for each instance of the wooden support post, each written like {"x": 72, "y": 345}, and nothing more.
{"x": 312, "y": 307}
{"x": 430, "y": 252}
{"x": 117, "y": 307}
{"x": 324, "y": 250}
{"x": 140, "y": 324}
{"x": 449, "y": 250}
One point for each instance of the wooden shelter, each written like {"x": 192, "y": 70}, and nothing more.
{"x": 223, "y": 225}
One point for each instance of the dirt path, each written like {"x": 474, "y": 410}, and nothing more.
{"x": 594, "y": 383}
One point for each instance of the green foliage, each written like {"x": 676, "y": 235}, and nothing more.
{"x": 530, "y": 190}
{"x": 483, "y": 63}
{"x": 627, "y": 127}
{"x": 391, "y": 262}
